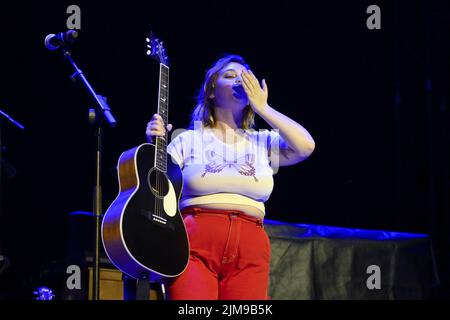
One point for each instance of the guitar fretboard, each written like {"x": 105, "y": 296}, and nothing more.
{"x": 163, "y": 109}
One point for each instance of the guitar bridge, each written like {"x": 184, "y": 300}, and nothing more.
{"x": 159, "y": 219}
{"x": 153, "y": 217}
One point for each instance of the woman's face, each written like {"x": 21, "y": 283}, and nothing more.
{"x": 228, "y": 89}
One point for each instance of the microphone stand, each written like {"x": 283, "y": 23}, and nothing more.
{"x": 4, "y": 261}
{"x": 104, "y": 111}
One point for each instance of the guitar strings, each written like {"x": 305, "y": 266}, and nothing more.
{"x": 160, "y": 206}
{"x": 157, "y": 179}
{"x": 160, "y": 186}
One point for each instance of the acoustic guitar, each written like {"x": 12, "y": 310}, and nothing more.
{"x": 143, "y": 232}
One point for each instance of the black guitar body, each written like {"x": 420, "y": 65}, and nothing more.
{"x": 143, "y": 232}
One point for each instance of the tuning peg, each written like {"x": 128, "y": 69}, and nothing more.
{"x": 147, "y": 39}
{"x": 149, "y": 52}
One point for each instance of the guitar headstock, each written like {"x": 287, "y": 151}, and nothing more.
{"x": 156, "y": 50}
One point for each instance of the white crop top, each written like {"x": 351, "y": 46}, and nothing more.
{"x": 215, "y": 172}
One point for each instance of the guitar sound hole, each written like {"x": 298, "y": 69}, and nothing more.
{"x": 158, "y": 183}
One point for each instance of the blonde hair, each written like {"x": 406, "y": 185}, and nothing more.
{"x": 204, "y": 110}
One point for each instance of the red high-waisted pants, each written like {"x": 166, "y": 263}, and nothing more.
{"x": 229, "y": 257}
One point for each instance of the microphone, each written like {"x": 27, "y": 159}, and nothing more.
{"x": 56, "y": 41}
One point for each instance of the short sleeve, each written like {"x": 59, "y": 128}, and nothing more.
{"x": 275, "y": 143}
{"x": 176, "y": 149}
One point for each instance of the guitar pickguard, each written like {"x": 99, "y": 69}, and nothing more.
{"x": 170, "y": 201}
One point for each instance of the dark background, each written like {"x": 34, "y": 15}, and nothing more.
{"x": 375, "y": 101}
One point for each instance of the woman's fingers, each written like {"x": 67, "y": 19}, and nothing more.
{"x": 247, "y": 85}
{"x": 156, "y": 126}
{"x": 264, "y": 86}
{"x": 157, "y": 119}
{"x": 252, "y": 80}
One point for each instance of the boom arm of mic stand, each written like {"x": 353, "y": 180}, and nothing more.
{"x": 101, "y": 102}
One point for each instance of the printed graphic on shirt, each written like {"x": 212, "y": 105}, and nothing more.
{"x": 243, "y": 165}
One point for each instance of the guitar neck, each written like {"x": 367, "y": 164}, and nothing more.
{"x": 163, "y": 111}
